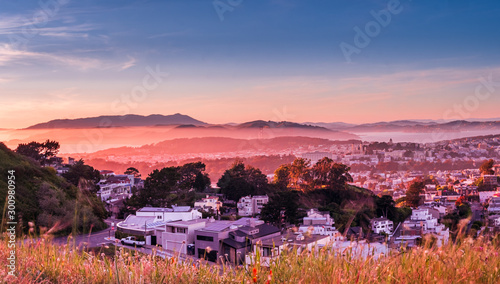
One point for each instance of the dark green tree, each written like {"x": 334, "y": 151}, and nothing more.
{"x": 282, "y": 177}
{"x": 79, "y": 171}
{"x": 160, "y": 187}
{"x": 239, "y": 181}
{"x": 39, "y": 152}
{"x": 487, "y": 167}
{"x": 326, "y": 173}
{"x": 300, "y": 173}
{"x": 385, "y": 206}
{"x": 192, "y": 175}
{"x": 132, "y": 171}
{"x": 201, "y": 182}
{"x": 281, "y": 209}
{"x": 413, "y": 194}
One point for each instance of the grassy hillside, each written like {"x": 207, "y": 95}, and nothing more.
{"x": 352, "y": 206}
{"x": 469, "y": 261}
{"x": 46, "y": 199}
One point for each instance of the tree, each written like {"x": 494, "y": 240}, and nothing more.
{"x": 132, "y": 171}
{"x": 487, "y": 167}
{"x": 40, "y": 152}
{"x": 281, "y": 209}
{"x": 169, "y": 185}
{"x": 385, "y": 206}
{"x": 79, "y": 171}
{"x": 282, "y": 176}
{"x": 327, "y": 173}
{"x": 413, "y": 193}
{"x": 239, "y": 181}
{"x": 159, "y": 187}
{"x": 201, "y": 182}
{"x": 461, "y": 200}
{"x": 300, "y": 173}
{"x": 192, "y": 176}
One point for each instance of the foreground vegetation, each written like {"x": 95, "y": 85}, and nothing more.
{"x": 44, "y": 198}
{"x": 469, "y": 261}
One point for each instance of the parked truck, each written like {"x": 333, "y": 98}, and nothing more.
{"x": 132, "y": 241}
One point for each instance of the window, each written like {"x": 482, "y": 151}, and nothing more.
{"x": 204, "y": 238}
{"x": 181, "y": 230}
{"x": 267, "y": 252}
{"x": 159, "y": 217}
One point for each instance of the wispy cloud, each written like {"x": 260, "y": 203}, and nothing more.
{"x": 5, "y": 80}
{"x": 169, "y": 34}
{"x": 131, "y": 62}
{"x": 414, "y": 82}
{"x": 10, "y": 54}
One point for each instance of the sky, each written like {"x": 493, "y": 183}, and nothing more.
{"x": 240, "y": 60}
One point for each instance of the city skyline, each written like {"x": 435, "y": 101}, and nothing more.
{"x": 237, "y": 61}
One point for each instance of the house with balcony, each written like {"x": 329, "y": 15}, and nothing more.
{"x": 270, "y": 249}
{"x": 423, "y": 221}
{"x": 209, "y": 204}
{"x": 494, "y": 205}
{"x": 151, "y": 221}
{"x": 320, "y": 223}
{"x": 382, "y": 225}
{"x": 251, "y": 205}
{"x": 240, "y": 241}
{"x": 494, "y": 221}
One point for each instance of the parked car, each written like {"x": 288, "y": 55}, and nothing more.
{"x": 132, "y": 241}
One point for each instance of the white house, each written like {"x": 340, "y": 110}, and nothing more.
{"x": 272, "y": 248}
{"x": 115, "y": 191}
{"x": 494, "y": 205}
{"x": 149, "y": 221}
{"x": 177, "y": 235}
{"x": 382, "y": 225}
{"x": 176, "y": 213}
{"x": 209, "y": 204}
{"x": 320, "y": 223}
{"x": 485, "y": 195}
{"x": 251, "y": 205}
{"x": 423, "y": 221}
{"x": 494, "y": 220}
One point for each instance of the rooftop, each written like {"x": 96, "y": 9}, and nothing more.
{"x": 187, "y": 223}
{"x": 291, "y": 239}
{"x": 161, "y": 209}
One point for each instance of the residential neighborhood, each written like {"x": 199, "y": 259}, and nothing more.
{"x": 220, "y": 230}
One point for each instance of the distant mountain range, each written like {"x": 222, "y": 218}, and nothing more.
{"x": 425, "y": 127}
{"x": 129, "y": 120}
{"x": 180, "y": 121}
{"x": 333, "y": 130}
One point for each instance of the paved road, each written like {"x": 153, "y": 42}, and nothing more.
{"x": 477, "y": 211}
{"x": 88, "y": 240}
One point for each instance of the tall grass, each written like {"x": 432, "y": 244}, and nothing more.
{"x": 469, "y": 261}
